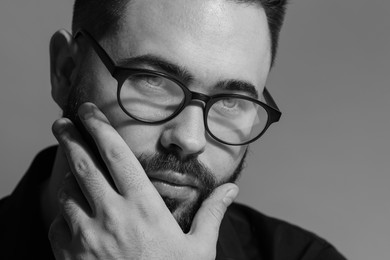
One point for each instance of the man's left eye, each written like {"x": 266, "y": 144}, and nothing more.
{"x": 230, "y": 103}
{"x": 155, "y": 81}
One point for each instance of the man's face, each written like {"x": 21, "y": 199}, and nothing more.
{"x": 214, "y": 40}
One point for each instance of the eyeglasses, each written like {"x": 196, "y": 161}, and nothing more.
{"x": 155, "y": 97}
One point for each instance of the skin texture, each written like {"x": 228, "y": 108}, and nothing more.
{"x": 100, "y": 209}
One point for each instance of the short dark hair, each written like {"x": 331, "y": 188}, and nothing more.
{"x": 99, "y": 17}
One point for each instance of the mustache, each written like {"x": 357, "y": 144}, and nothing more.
{"x": 171, "y": 162}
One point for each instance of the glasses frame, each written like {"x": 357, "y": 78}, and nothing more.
{"x": 120, "y": 74}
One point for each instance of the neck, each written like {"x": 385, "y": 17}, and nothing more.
{"x": 48, "y": 197}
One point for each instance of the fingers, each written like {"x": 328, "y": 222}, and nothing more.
{"x": 59, "y": 235}
{"x": 72, "y": 204}
{"x": 72, "y": 220}
{"x": 125, "y": 169}
{"x": 208, "y": 219}
{"x": 82, "y": 162}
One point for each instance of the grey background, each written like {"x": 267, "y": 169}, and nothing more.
{"x": 325, "y": 166}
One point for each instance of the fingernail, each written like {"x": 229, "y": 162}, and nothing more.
{"x": 86, "y": 111}
{"x": 59, "y": 126}
{"x": 230, "y": 195}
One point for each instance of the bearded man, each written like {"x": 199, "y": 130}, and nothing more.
{"x": 161, "y": 99}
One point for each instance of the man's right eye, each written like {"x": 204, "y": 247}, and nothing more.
{"x": 230, "y": 103}
{"x": 154, "y": 80}
{"x": 230, "y": 107}
{"x": 147, "y": 81}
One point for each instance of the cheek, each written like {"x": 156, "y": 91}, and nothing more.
{"x": 140, "y": 138}
{"x": 223, "y": 160}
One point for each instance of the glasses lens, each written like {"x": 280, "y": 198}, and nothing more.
{"x": 150, "y": 97}
{"x": 236, "y": 120}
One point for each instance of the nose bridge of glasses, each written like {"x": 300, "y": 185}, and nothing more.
{"x": 200, "y": 97}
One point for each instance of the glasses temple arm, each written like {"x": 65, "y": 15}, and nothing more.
{"x": 269, "y": 99}
{"x": 98, "y": 49}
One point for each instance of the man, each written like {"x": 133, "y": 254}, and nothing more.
{"x": 161, "y": 99}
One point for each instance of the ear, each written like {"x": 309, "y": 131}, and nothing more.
{"x": 63, "y": 51}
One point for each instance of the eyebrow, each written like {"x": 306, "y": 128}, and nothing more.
{"x": 182, "y": 73}
{"x": 158, "y": 63}
{"x": 239, "y": 85}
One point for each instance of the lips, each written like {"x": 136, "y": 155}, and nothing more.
{"x": 174, "y": 185}
{"x": 174, "y": 178}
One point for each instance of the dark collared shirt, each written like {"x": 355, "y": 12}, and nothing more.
{"x": 244, "y": 233}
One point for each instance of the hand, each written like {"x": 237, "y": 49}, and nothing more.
{"x": 125, "y": 218}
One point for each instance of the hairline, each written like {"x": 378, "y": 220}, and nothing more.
{"x": 119, "y": 12}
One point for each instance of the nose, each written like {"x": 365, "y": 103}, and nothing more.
{"x": 185, "y": 134}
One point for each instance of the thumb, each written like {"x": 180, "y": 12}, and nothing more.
{"x": 207, "y": 220}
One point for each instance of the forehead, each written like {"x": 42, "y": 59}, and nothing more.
{"x": 211, "y": 38}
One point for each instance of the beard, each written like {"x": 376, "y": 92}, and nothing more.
{"x": 168, "y": 160}
{"x": 163, "y": 160}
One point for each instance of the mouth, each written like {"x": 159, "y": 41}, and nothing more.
{"x": 174, "y": 185}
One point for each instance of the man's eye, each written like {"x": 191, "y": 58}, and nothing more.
{"x": 230, "y": 103}
{"x": 146, "y": 82}
{"x": 154, "y": 80}
{"x": 229, "y": 107}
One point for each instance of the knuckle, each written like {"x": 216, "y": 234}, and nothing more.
{"x": 82, "y": 166}
{"x": 115, "y": 155}
{"x": 111, "y": 225}
{"x": 62, "y": 195}
{"x": 57, "y": 234}
{"x": 86, "y": 237}
{"x": 110, "y": 222}
{"x": 67, "y": 204}
{"x": 68, "y": 209}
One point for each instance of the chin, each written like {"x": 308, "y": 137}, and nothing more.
{"x": 183, "y": 212}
